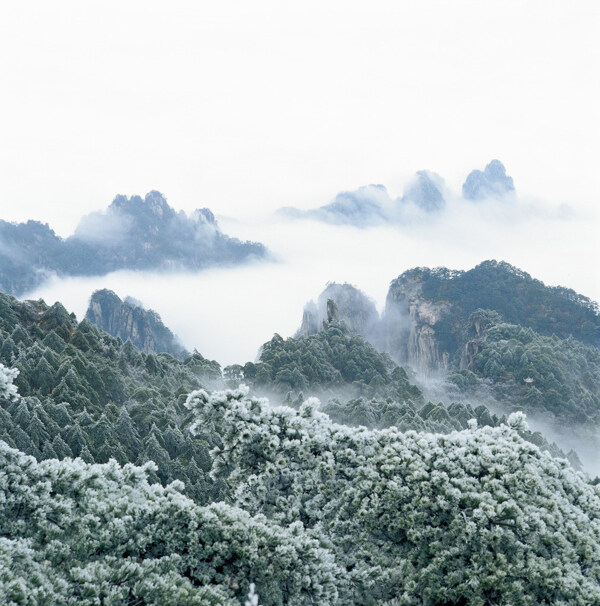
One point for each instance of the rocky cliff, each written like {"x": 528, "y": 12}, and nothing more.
{"x": 409, "y": 325}
{"x": 435, "y": 319}
{"x": 129, "y": 321}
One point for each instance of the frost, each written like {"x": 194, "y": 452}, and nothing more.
{"x": 7, "y": 389}
{"x": 518, "y": 421}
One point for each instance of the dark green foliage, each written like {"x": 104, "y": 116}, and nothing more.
{"x": 537, "y": 373}
{"x": 514, "y": 294}
{"x": 380, "y": 414}
{"x": 87, "y": 394}
{"x": 202, "y": 367}
{"x": 330, "y": 360}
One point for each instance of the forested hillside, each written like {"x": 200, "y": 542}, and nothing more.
{"x": 528, "y": 371}
{"x": 498, "y": 286}
{"x": 87, "y": 394}
{"x": 126, "y": 479}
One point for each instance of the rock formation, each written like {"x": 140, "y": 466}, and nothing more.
{"x": 409, "y": 325}
{"x": 128, "y": 321}
{"x": 354, "y": 308}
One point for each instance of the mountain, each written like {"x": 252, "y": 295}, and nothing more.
{"x": 133, "y": 233}
{"x": 425, "y": 195}
{"x": 428, "y": 310}
{"x": 130, "y": 321}
{"x": 427, "y": 316}
{"x": 332, "y": 361}
{"x": 491, "y": 182}
{"x": 425, "y": 192}
{"x": 368, "y": 205}
{"x": 493, "y": 332}
{"x": 125, "y": 479}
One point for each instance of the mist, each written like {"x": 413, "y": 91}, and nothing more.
{"x": 582, "y": 438}
{"x": 228, "y": 313}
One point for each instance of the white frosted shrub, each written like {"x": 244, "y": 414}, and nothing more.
{"x": 7, "y": 389}
{"x": 102, "y": 534}
{"x": 476, "y": 517}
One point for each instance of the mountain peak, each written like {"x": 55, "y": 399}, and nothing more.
{"x": 491, "y": 182}
{"x": 130, "y": 321}
{"x": 425, "y": 191}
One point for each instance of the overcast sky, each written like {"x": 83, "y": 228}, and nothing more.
{"x": 243, "y": 105}
{"x": 248, "y": 106}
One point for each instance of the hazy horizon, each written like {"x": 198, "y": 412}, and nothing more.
{"x": 241, "y": 107}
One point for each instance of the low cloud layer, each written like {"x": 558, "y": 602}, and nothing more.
{"x": 227, "y": 313}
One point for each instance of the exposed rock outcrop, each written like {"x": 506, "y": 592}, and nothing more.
{"x": 129, "y": 321}
{"x": 438, "y": 318}
{"x": 409, "y": 325}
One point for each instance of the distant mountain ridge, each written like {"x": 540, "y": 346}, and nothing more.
{"x": 425, "y": 194}
{"x": 129, "y": 321}
{"x": 133, "y": 233}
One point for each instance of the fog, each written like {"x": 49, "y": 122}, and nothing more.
{"x": 584, "y": 439}
{"x": 227, "y": 313}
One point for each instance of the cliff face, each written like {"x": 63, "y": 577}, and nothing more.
{"x": 476, "y": 336}
{"x": 128, "y": 320}
{"x": 409, "y": 326}
{"x": 437, "y": 318}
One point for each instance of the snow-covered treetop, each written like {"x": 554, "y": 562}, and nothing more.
{"x": 479, "y": 516}
{"x": 7, "y": 389}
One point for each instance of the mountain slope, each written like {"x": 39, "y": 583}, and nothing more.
{"x": 86, "y": 394}
{"x": 428, "y": 310}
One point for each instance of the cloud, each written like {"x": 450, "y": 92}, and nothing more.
{"x": 105, "y": 228}
{"x": 227, "y": 313}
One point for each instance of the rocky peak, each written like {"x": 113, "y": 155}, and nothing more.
{"x": 128, "y": 321}
{"x": 409, "y": 325}
{"x": 349, "y": 304}
{"x": 425, "y": 191}
{"x": 491, "y": 182}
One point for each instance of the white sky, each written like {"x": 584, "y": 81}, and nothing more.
{"x": 248, "y": 106}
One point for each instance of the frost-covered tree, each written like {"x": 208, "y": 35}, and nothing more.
{"x": 478, "y": 516}
{"x": 7, "y": 388}
{"x": 71, "y": 532}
